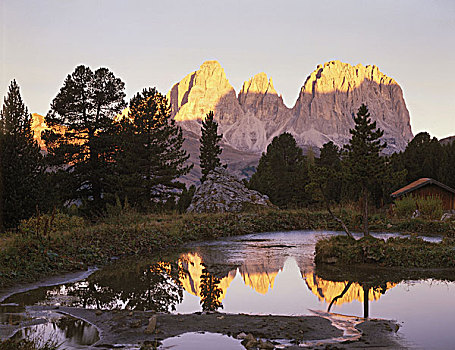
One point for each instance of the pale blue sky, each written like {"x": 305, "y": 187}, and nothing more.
{"x": 156, "y": 43}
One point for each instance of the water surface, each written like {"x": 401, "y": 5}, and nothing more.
{"x": 269, "y": 273}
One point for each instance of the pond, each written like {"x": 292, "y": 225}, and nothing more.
{"x": 267, "y": 273}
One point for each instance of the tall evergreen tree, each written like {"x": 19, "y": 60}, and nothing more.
{"x": 21, "y": 168}
{"x": 330, "y": 158}
{"x": 210, "y": 149}
{"x": 150, "y": 157}
{"x": 364, "y": 165}
{"x": 282, "y": 173}
{"x": 81, "y": 115}
{"x": 423, "y": 157}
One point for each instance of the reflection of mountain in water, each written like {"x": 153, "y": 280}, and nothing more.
{"x": 329, "y": 290}
{"x": 192, "y": 272}
{"x": 260, "y": 276}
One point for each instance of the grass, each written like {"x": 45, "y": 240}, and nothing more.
{"x": 57, "y": 243}
{"x": 401, "y": 252}
{"x": 27, "y": 344}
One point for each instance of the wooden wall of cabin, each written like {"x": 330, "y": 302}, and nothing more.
{"x": 448, "y": 198}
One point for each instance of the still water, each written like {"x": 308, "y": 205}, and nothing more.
{"x": 269, "y": 273}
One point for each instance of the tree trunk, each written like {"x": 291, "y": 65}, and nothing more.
{"x": 366, "y": 230}
{"x": 336, "y": 218}
{"x": 365, "y": 302}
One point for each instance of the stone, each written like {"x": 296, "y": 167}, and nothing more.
{"x": 416, "y": 214}
{"x": 265, "y": 345}
{"x": 135, "y": 324}
{"x": 448, "y": 216}
{"x": 98, "y": 312}
{"x": 151, "y": 325}
{"x": 249, "y": 341}
{"x": 222, "y": 192}
{"x": 241, "y": 335}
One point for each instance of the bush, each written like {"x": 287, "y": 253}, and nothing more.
{"x": 46, "y": 224}
{"x": 405, "y": 207}
{"x": 430, "y": 207}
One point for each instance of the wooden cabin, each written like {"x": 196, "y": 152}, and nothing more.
{"x": 426, "y": 187}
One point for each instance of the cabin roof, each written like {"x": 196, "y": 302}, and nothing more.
{"x": 420, "y": 183}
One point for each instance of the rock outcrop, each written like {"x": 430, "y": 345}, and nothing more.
{"x": 322, "y": 113}
{"x": 202, "y": 91}
{"x": 222, "y": 192}
{"x": 335, "y": 90}
{"x": 264, "y": 115}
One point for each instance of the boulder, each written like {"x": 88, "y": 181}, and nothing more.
{"x": 450, "y": 215}
{"x": 222, "y": 192}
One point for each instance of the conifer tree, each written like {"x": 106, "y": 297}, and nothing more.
{"x": 21, "y": 168}
{"x": 80, "y": 117}
{"x": 330, "y": 159}
{"x": 282, "y": 173}
{"x": 364, "y": 165}
{"x": 150, "y": 157}
{"x": 210, "y": 149}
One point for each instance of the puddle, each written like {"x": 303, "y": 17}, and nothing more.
{"x": 64, "y": 331}
{"x": 201, "y": 341}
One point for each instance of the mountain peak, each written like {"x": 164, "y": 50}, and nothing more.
{"x": 338, "y": 76}
{"x": 335, "y": 90}
{"x": 259, "y": 84}
{"x": 206, "y": 89}
{"x": 211, "y": 64}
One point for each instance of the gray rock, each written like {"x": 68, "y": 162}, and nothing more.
{"x": 265, "y": 345}
{"x": 416, "y": 214}
{"x": 448, "y": 216}
{"x": 151, "y": 326}
{"x": 222, "y": 192}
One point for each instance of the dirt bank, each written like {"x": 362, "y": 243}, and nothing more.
{"x": 322, "y": 331}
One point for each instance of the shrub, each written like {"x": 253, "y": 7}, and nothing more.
{"x": 404, "y": 207}
{"x": 430, "y": 207}
{"x": 46, "y": 224}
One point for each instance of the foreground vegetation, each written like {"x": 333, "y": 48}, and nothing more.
{"x": 411, "y": 252}
{"x": 27, "y": 344}
{"x": 58, "y": 243}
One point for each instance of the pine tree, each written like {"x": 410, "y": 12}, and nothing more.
{"x": 80, "y": 117}
{"x": 150, "y": 157}
{"x": 364, "y": 165}
{"x": 210, "y": 149}
{"x": 282, "y": 173}
{"x": 21, "y": 168}
{"x": 330, "y": 158}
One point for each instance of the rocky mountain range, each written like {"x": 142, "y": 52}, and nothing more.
{"x": 323, "y": 111}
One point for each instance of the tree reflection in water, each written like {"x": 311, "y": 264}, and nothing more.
{"x": 376, "y": 281}
{"x": 210, "y": 291}
{"x": 155, "y": 287}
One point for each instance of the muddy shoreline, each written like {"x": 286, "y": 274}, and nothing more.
{"x": 121, "y": 327}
